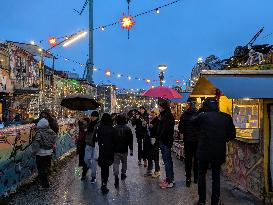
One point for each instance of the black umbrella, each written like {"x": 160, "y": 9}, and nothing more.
{"x": 80, "y": 102}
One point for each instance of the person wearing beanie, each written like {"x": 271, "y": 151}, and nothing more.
{"x": 91, "y": 153}
{"x": 165, "y": 132}
{"x": 42, "y": 146}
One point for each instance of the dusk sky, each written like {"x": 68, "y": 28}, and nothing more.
{"x": 176, "y": 37}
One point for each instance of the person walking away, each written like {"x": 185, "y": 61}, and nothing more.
{"x": 141, "y": 122}
{"x": 80, "y": 144}
{"x": 42, "y": 147}
{"x": 216, "y": 129}
{"x": 153, "y": 156}
{"x": 122, "y": 140}
{"x": 190, "y": 139}
{"x": 165, "y": 134}
{"x": 104, "y": 135}
{"x": 91, "y": 154}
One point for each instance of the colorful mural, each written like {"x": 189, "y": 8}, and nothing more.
{"x": 244, "y": 166}
{"x": 16, "y": 159}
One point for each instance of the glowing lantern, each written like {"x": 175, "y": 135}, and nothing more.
{"x": 177, "y": 81}
{"x": 148, "y": 80}
{"x": 127, "y": 22}
{"x": 52, "y": 41}
{"x": 108, "y": 73}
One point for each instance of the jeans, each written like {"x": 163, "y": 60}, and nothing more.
{"x": 216, "y": 169}
{"x": 43, "y": 165}
{"x": 167, "y": 159}
{"x": 190, "y": 149}
{"x": 120, "y": 157}
{"x": 90, "y": 159}
{"x": 104, "y": 174}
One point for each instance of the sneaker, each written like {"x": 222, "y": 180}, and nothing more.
{"x": 104, "y": 190}
{"x": 163, "y": 181}
{"x": 123, "y": 176}
{"x": 148, "y": 174}
{"x": 156, "y": 174}
{"x": 93, "y": 180}
{"x": 166, "y": 185}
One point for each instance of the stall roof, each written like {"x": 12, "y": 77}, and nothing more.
{"x": 184, "y": 99}
{"x": 236, "y": 85}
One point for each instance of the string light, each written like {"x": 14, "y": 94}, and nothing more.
{"x": 157, "y": 10}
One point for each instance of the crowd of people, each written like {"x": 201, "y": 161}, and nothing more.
{"x": 109, "y": 140}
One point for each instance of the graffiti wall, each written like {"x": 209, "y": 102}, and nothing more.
{"x": 16, "y": 159}
{"x": 244, "y": 166}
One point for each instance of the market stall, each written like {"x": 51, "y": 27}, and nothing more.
{"x": 245, "y": 95}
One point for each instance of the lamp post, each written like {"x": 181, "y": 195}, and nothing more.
{"x": 161, "y": 68}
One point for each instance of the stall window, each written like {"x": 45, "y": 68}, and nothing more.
{"x": 246, "y": 118}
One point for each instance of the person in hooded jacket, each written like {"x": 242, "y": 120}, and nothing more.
{"x": 165, "y": 134}
{"x": 123, "y": 139}
{"x": 216, "y": 129}
{"x": 104, "y": 136}
{"x": 190, "y": 139}
{"x": 42, "y": 146}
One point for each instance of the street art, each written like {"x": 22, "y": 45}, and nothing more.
{"x": 17, "y": 162}
{"x": 244, "y": 166}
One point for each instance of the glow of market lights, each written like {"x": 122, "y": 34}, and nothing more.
{"x": 108, "y": 73}
{"x": 52, "y": 41}
{"x": 75, "y": 38}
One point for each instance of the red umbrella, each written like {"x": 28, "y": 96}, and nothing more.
{"x": 162, "y": 92}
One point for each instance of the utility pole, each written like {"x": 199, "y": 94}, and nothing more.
{"x": 90, "y": 61}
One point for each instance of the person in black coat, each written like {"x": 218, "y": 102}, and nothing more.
{"x": 141, "y": 122}
{"x": 104, "y": 135}
{"x": 190, "y": 139}
{"x": 153, "y": 153}
{"x": 53, "y": 124}
{"x": 165, "y": 134}
{"x": 216, "y": 129}
{"x": 123, "y": 139}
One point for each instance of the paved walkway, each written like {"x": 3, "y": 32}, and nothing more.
{"x": 67, "y": 189}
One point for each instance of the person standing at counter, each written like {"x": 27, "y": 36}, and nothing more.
{"x": 42, "y": 147}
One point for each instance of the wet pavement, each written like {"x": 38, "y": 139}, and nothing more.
{"x": 68, "y": 189}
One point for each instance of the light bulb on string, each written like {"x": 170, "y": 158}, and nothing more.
{"x": 157, "y": 10}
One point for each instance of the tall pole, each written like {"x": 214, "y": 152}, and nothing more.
{"x": 90, "y": 62}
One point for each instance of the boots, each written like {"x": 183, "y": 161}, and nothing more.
{"x": 116, "y": 182}
{"x": 104, "y": 189}
{"x": 123, "y": 177}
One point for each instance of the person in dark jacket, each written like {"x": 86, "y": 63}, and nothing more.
{"x": 122, "y": 140}
{"x": 165, "y": 134}
{"x": 141, "y": 122}
{"x": 104, "y": 135}
{"x": 91, "y": 154}
{"x": 153, "y": 155}
{"x": 216, "y": 129}
{"x": 80, "y": 144}
{"x": 190, "y": 139}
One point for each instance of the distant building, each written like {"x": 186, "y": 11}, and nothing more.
{"x": 106, "y": 95}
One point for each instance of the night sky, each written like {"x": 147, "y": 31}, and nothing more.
{"x": 176, "y": 37}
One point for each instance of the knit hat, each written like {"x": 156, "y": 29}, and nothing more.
{"x": 95, "y": 114}
{"x": 42, "y": 123}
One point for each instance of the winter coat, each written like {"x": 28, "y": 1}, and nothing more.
{"x": 90, "y": 133}
{"x": 165, "y": 130}
{"x": 123, "y": 139}
{"x": 216, "y": 128}
{"x": 187, "y": 127}
{"x": 104, "y": 135}
{"x": 44, "y": 138}
{"x": 141, "y": 130}
{"x": 154, "y": 148}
